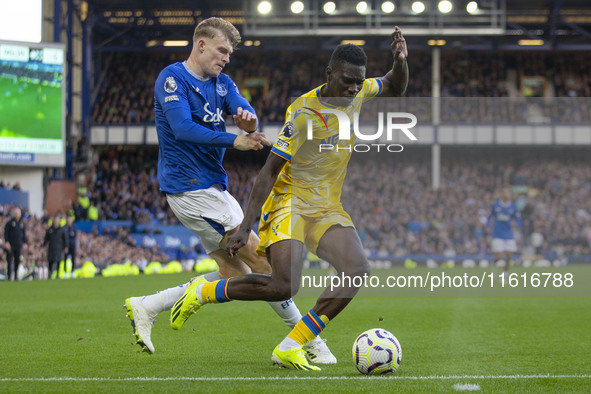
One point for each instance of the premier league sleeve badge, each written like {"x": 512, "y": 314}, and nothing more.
{"x": 170, "y": 85}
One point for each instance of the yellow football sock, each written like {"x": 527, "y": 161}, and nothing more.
{"x": 308, "y": 327}
{"x": 215, "y": 292}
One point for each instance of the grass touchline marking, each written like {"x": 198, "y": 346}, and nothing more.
{"x": 280, "y": 378}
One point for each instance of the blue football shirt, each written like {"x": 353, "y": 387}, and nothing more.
{"x": 502, "y": 214}
{"x": 189, "y": 111}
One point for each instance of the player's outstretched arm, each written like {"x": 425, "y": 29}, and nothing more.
{"x": 260, "y": 191}
{"x": 396, "y": 80}
{"x": 185, "y": 129}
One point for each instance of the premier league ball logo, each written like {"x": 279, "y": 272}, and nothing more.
{"x": 287, "y": 130}
{"x": 170, "y": 85}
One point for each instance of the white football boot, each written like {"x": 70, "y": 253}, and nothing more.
{"x": 318, "y": 353}
{"x": 142, "y": 321}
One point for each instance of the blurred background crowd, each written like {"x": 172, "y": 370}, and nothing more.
{"x": 271, "y": 79}
{"x": 396, "y": 211}
{"x": 391, "y": 200}
{"x": 102, "y": 250}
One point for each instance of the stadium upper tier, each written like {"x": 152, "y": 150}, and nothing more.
{"x": 271, "y": 78}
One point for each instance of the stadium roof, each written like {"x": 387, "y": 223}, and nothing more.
{"x": 547, "y": 24}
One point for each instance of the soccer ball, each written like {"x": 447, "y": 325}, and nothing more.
{"x": 376, "y": 352}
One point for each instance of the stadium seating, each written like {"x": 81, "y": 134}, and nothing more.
{"x": 392, "y": 203}
{"x": 126, "y": 94}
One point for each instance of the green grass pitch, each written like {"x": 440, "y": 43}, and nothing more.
{"x": 36, "y": 112}
{"x": 71, "y": 336}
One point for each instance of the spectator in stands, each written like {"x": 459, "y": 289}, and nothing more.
{"x": 126, "y": 94}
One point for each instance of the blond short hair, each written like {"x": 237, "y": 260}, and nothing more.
{"x": 210, "y": 27}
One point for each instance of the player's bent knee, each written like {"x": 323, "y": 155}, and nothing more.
{"x": 283, "y": 290}
{"x": 282, "y": 294}
{"x": 359, "y": 270}
{"x": 226, "y": 271}
{"x": 258, "y": 264}
{"x": 259, "y": 267}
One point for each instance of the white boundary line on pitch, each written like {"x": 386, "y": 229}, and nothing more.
{"x": 281, "y": 378}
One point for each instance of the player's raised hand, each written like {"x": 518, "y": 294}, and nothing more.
{"x": 237, "y": 240}
{"x": 245, "y": 120}
{"x": 252, "y": 141}
{"x": 399, "y": 50}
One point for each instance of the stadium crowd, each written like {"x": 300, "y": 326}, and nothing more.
{"x": 391, "y": 200}
{"x": 102, "y": 250}
{"x": 397, "y": 212}
{"x": 125, "y": 185}
{"x": 271, "y": 79}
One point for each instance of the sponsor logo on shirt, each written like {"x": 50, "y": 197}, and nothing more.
{"x": 174, "y": 97}
{"x": 211, "y": 117}
{"x": 503, "y": 217}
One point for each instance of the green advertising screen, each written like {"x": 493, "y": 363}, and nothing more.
{"x": 31, "y": 104}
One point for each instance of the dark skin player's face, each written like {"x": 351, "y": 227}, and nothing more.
{"x": 344, "y": 82}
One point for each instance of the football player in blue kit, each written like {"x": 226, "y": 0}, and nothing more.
{"x": 191, "y": 99}
{"x": 503, "y": 212}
